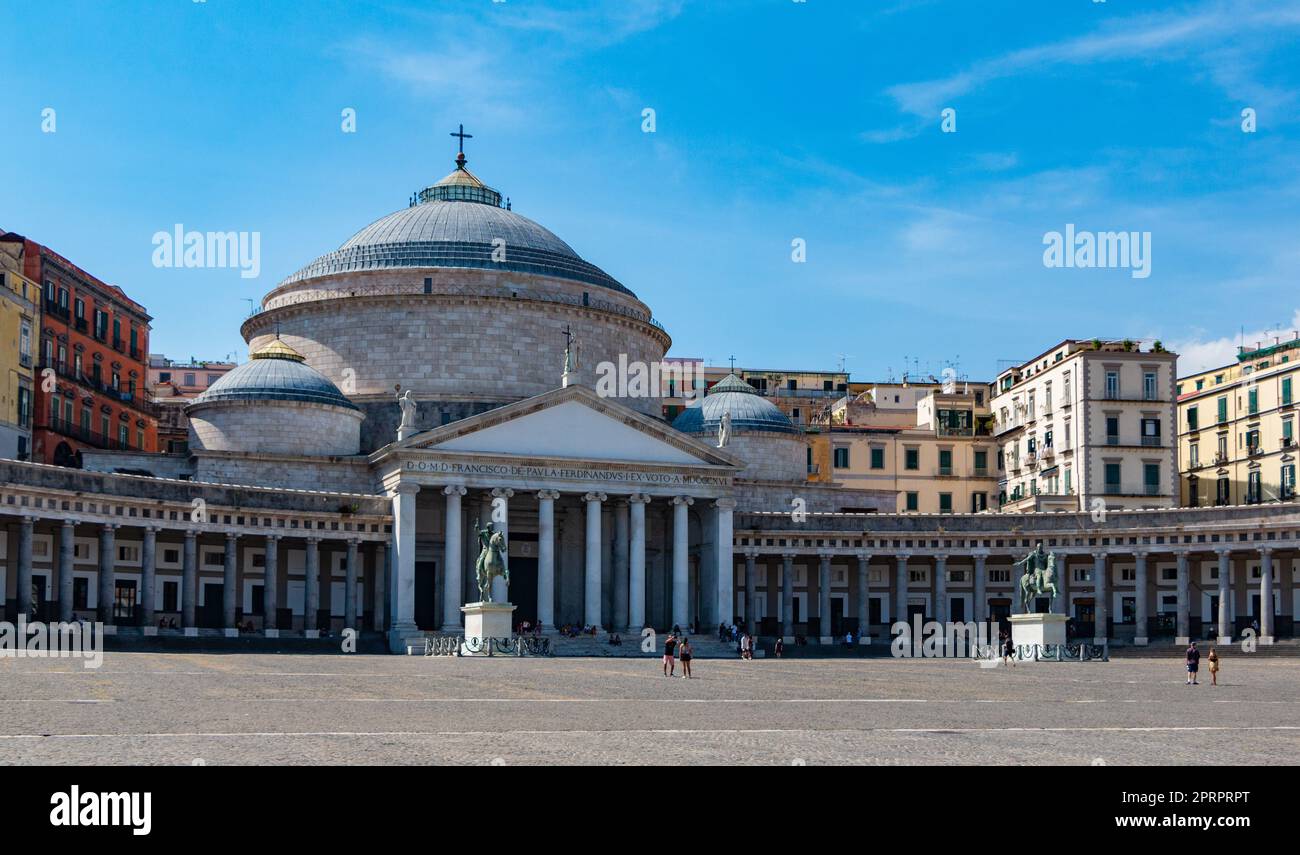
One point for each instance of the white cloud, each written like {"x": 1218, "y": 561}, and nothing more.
{"x": 1200, "y": 353}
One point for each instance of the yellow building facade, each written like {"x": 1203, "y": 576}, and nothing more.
{"x": 19, "y": 321}
{"x": 1237, "y": 429}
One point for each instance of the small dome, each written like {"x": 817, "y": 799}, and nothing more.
{"x": 275, "y": 372}
{"x": 749, "y": 410}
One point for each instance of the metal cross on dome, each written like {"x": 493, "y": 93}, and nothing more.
{"x": 460, "y": 132}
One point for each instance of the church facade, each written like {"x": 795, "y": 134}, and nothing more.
{"x": 310, "y": 499}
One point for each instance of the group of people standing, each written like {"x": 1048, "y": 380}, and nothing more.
{"x": 677, "y": 647}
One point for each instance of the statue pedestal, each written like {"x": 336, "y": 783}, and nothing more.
{"x": 484, "y": 621}
{"x": 1040, "y": 629}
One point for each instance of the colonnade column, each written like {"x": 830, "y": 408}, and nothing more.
{"x": 25, "y": 528}
{"x": 751, "y": 600}
{"x": 864, "y": 599}
{"x": 270, "y": 587}
{"x": 107, "y": 560}
{"x": 1140, "y": 616}
{"x": 311, "y": 590}
{"x": 1184, "y": 600}
{"x": 1100, "y": 606}
{"x": 592, "y": 591}
{"x": 681, "y": 560}
{"x": 900, "y": 588}
{"x": 1224, "y": 617}
{"x": 824, "y": 598}
{"x": 620, "y": 569}
{"x": 546, "y": 558}
{"x": 401, "y": 593}
{"x": 501, "y": 497}
{"x": 980, "y": 612}
{"x": 787, "y": 596}
{"x": 189, "y": 582}
{"x": 636, "y": 562}
{"x": 379, "y": 561}
{"x": 148, "y": 578}
{"x": 452, "y": 557}
{"x": 723, "y": 549}
{"x": 350, "y": 589}
{"x": 67, "y": 551}
{"x": 229, "y": 583}
{"x": 941, "y": 589}
{"x": 1266, "y": 595}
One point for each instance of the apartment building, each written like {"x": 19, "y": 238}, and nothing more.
{"x": 1237, "y": 429}
{"x": 172, "y": 385}
{"x": 1087, "y": 425}
{"x": 19, "y": 320}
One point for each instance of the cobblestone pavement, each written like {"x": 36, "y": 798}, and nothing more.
{"x": 170, "y": 708}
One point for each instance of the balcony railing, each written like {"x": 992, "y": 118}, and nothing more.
{"x": 135, "y": 401}
{"x": 1151, "y": 441}
{"x": 945, "y": 471}
{"x": 1112, "y": 439}
{"x": 981, "y": 472}
{"x": 90, "y": 437}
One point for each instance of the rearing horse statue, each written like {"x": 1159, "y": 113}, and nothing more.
{"x": 491, "y": 560}
{"x": 1039, "y": 577}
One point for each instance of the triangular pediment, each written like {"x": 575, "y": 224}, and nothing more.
{"x": 571, "y": 423}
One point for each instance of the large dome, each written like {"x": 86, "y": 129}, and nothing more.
{"x": 439, "y": 229}
{"x": 749, "y": 410}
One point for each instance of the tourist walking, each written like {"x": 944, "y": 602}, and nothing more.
{"x": 779, "y": 647}
{"x": 1008, "y": 651}
{"x": 1193, "y": 663}
{"x": 1214, "y": 667}
{"x": 670, "y": 648}
{"x": 686, "y": 658}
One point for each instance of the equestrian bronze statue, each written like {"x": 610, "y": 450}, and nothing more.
{"x": 491, "y": 560}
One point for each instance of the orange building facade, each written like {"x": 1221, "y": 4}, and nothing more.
{"x": 93, "y": 363}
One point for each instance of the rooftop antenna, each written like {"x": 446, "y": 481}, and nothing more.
{"x": 844, "y": 357}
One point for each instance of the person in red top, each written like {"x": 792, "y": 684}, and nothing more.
{"x": 670, "y": 647}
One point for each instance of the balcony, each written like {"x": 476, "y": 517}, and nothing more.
{"x": 60, "y": 312}
{"x": 25, "y": 360}
{"x": 1254, "y": 450}
{"x": 81, "y": 325}
{"x": 75, "y": 431}
{"x": 1048, "y": 452}
{"x": 1151, "y": 441}
{"x": 945, "y": 471}
{"x": 119, "y": 345}
{"x": 1287, "y": 442}
{"x": 1220, "y": 459}
{"x": 981, "y": 472}
{"x": 1112, "y": 439}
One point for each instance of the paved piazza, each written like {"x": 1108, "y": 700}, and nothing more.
{"x": 145, "y": 708}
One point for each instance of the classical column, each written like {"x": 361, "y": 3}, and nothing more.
{"x": 636, "y": 562}
{"x": 1140, "y": 615}
{"x": 107, "y": 561}
{"x": 591, "y": 589}
{"x": 941, "y": 589}
{"x": 311, "y": 589}
{"x": 1224, "y": 616}
{"x": 681, "y": 560}
{"x": 230, "y": 585}
{"x": 787, "y": 596}
{"x": 401, "y": 592}
{"x": 451, "y": 559}
{"x": 501, "y": 497}
{"x": 1100, "y": 605}
{"x": 350, "y": 591}
{"x": 1184, "y": 600}
{"x": 148, "y": 578}
{"x": 824, "y": 598}
{"x": 864, "y": 599}
{"x": 270, "y": 587}
{"x": 546, "y": 559}
{"x": 67, "y": 551}
{"x": 724, "y": 550}
{"x": 981, "y": 610}
{"x": 751, "y": 599}
{"x": 1266, "y": 595}
{"x": 25, "y": 527}
{"x": 900, "y": 589}
{"x": 189, "y": 582}
{"x": 379, "y": 563}
{"x": 620, "y": 577}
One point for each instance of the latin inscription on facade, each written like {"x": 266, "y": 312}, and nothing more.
{"x": 506, "y": 470}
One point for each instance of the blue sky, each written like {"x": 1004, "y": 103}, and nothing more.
{"x": 775, "y": 120}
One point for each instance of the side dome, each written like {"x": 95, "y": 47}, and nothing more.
{"x": 436, "y": 230}
{"x": 275, "y": 404}
{"x": 773, "y": 448}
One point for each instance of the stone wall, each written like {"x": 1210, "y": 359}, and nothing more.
{"x": 275, "y": 427}
{"x": 335, "y": 475}
{"x": 769, "y": 456}
{"x": 482, "y": 343}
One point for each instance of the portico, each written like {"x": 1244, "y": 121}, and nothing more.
{"x": 581, "y": 486}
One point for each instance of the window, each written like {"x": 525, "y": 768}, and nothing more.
{"x": 1068, "y": 474}
{"x": 189, "y": 379}
{"x": 170, "y": 592}
{"x": 911, "y": 501}
{"x": 1112, "y": 477}
{"x": 1112, "y": 384}
{"x": 945, "y": 462}
{"x": 1223, "y": 492}
{"x": 1149, "y": 385}
{"x": 981, "y": 463}
{"x": 1194, "y": 455}
{"x": 24, "y": 406}
{"x": 80, "y": 592}
{"x": 1288, "y": 480}
{"x": 1193, "y": 419}
{"x": 1286, "y": 391}
{"x": 1252, "y": 398}
{"x": 1253, "y": 485}
{"x": 1151, "y": 478}
{"x": 1151, "y": 432}
{"x": 979, "y": 502}
{"x": 841, "y": 458}
{"x": 1223, "y": 409}
{"x": 1112, "y": 430}
{"x": 912, "y": 459}
{"x": 945, "y": 503}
